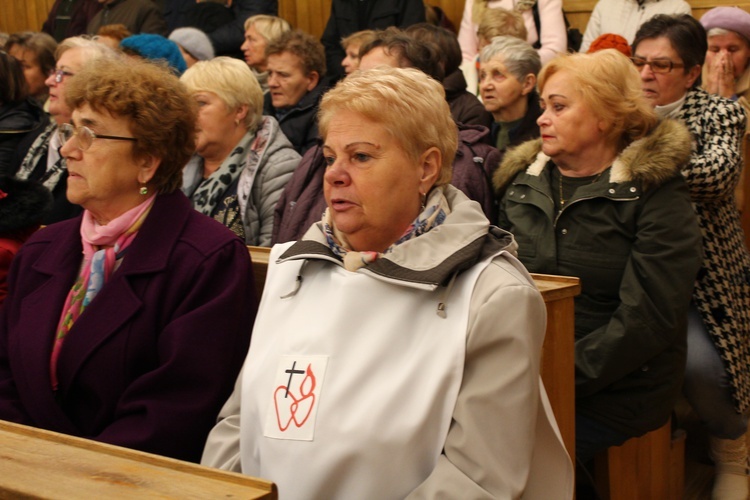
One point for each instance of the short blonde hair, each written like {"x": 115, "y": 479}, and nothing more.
{"x": 611, "y": 87}
{"x": 502, "y": 22}
{"x": 269, "y": 27}
{"x": 232, "y": 81}
{"x": 408, "y": 103}
{"x": 358, "y": 38}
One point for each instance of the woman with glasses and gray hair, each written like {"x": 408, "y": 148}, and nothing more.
{"x": 37, "y": 157}
{"x": 128, "y": 324}
{"x": 669, "y": 52}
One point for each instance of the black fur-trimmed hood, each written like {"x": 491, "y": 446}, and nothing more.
{"x": 23, "y": 204}
{"x": 651, "y": 160}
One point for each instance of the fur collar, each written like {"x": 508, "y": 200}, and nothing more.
{"x": 650, "y": 160}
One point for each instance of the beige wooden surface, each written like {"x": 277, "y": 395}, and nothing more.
{"x": 35, "y": 463}
{"x": 558, "y": 365}
{"x": 558, "y": 351}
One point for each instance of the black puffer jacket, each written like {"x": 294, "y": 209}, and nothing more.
{"x": 16, "y": 121}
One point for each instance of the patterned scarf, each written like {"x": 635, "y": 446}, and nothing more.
{"x": 41, "y": 146}
{"x": 207, "y": 193}
{"x": 103, "y": 246}
{"x": 435, "y": 211}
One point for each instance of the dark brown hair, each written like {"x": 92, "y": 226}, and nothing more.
{"x": 13, "y": 86}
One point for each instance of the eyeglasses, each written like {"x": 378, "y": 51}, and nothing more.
{"x": 657, "y": 65}
{"x": 60, "y": 74}
{"x": 85, "y": 136}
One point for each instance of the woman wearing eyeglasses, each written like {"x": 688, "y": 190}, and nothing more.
{"x": 37, "y": 157}
{"x": 128, "y": 324}
{"x": 669, "y": 52}
{"x": 600, "y": 197}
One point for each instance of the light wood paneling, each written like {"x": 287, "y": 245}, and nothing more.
{"x": 454, "y": 9}
{"x": 312, "y": 15}
{"x": 308, "y": 15}
{"x": 17, "y": 15}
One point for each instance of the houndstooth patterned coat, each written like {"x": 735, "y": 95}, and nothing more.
{"x": 722, "y": 292}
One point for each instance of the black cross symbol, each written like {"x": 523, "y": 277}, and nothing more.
{"x": 291, "y": 373}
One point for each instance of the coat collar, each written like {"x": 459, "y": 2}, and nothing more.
{"x": 430, "y": 259}
{"x": 650, "y": 160}
{"x": 164, "y": 223}
{"x": 114, "y": 306}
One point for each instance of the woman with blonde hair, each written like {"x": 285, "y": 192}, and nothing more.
{"x": 260, "y": 30}
{"x": 549, "y": 37}
{"x": 600, "y": 196}
{"x": 243, "y": 160}
{"x": 351, "y": 45}
{"x": 396, "y": 327}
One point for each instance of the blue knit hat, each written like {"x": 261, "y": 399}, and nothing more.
{"x": 156, "y": 47}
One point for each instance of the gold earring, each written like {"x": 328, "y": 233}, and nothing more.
{"x": 143, "y": 190}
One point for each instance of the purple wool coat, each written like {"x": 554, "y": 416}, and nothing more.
{"x": 152, "y": 359}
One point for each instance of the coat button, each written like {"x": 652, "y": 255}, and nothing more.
{"x": 632, "y": 189}
{"x": 611, "y": 191}
{"x": 564, "y": 231}
{"x": 511, "y": 193}
{"x": 523, "y": 196}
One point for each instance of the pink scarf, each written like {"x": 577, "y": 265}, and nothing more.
{"x": 102, "y": 247}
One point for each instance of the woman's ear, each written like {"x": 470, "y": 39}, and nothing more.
{"x": 693, "y": 75}
{"x": 147, "y": 169}
{"x": 431, "y": 162}
{"x": 528, "y": 84}
{"x": 241, "y": 113}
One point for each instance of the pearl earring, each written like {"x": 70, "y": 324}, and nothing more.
{"x": 143, "y": 190}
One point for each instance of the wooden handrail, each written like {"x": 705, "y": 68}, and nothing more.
{"x": 36, "y": 463}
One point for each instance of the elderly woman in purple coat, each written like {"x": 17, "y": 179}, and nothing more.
{"x": 127, "y": 325}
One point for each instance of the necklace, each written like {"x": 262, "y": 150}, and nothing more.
{"x": 560, "y": 184}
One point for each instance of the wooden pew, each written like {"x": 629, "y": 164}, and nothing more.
{"x": 650, "y": 466}
{"x": 41, "y": 464}
{"x": 558, "y": 366}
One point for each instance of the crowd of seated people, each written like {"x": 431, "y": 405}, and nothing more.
{"x": 154, "y": 158}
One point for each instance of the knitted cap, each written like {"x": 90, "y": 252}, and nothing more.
{"x": 193, "y": 41}
{"x": 728, "y": 18}
{"x": 610, "y": 41}
{"x": 156, "y": 47}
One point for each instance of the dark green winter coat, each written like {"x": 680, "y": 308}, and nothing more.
{"x": 633, "y": 239}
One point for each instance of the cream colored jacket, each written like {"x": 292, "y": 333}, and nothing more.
{"x": 502, "y": 440}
